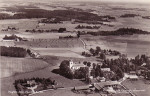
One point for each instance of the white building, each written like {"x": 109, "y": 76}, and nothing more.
{"x": 105, "y": 69}
{"x": 75, "y": 66}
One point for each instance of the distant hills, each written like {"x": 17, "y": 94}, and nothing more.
{"x": 23, "y": 13}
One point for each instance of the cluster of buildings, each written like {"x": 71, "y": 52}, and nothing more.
{"x": 77, "y": 65}
{"x": 10, "y": 29}
{"x": 103, "y": 87}
{"x": 107, "y": 73}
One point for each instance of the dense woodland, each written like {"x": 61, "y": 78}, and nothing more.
{"x": 87, "y": 27}
{"x": 61, "y": 15}
{"x": 12, "y": 37}
{"x": 128, "y": 15}
{"x": 100, "y": 52}
{"x": 51, "y": 21}
{"x": 146, "y": 17}
{"x": 120, "y": 31}
{"x": 13, "y": 51}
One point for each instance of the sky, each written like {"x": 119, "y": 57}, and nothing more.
{"x": 140, "y": 1}
{"x": 48, "y": 1}
{"x": 144, "y": 1}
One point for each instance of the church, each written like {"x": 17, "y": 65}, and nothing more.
{"x": 75, "y": 66}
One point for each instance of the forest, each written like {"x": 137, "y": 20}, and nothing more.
{"x": 13, "y": 51}
{"x": 61, "y": 15}
{"x": 120, "y": 31}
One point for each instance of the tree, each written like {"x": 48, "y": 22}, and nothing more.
{"x": 102, "y": 56}
{"x": 61, "y": 30}
{"x": 88, "y": 64}
{"x": 65, "y": 70}
{"x": 94, "y": 66}
{"x": 147, "y": 75}
{"x": 88, "y": 80}
{"x": 68, "y": 73}
{"x": 92, "y": 51}
{"x": 98, "y": 49}
{"x": 63, "y": 65}
{"x": 98, "y": 71}
{"x": 78, "y": 34}
{"x": 81, "y": 73}
{"x": 83, "y": 53}
{"x": 120, "y": 73}
{"x": 85, "y": 62}
{"x": 93, "y": 73}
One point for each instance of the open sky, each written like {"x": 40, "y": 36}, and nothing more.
{"x": 140, "y": 1}
{"x": 137, "y": 1}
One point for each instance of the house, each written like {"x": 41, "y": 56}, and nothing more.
{"x": 144, "y": 64}
{"x": 147, "y": 75}
{"x": 101, "y": 79}
{"x": 105, "y": 69}
{"x": 10, "y": 29}
{"x": 31, "y": 82}
{"x": 12, "y": 38}
{"x": 24, "y": 39}
{"x": 81, "y": 87}
{"x": 132, "y": 75}
{"x": 110, "y": 90}
{"x": 141, "y": 70}
{"x": 107, "y": 84}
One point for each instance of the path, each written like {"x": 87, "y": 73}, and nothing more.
{"x": 123, "y": 79}
{"x": 83, "y": 43}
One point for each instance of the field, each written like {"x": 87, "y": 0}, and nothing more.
{"x": 54, "y": 50}
{"x": 52, "y": 43}
{"x": 13, "y": 66}
{"x": 139, "y": 88}
{"x": 7, "y": 83}
{"x": 130, "y": 45}
{"x": 63, "y": 52}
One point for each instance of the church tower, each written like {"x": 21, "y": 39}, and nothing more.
{"x": 70, "y": 64}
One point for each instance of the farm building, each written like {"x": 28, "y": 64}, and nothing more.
{"x": 101, "y": 79}
{"x": 10, "y": 29}
{"x": 132, "y": 75}
{"x": 105, "y": 69}
{"x": 106, "y": 86}
{"x": 81, "y": 88}
{"x": 31, "y": 82}
{"x": 12, "y": 38}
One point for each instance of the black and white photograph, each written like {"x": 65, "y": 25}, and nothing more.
{"x": 74, "y": 47}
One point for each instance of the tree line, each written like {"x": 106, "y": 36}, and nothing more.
{"x": 87, "y": 27}
{"x": 100, "y": 52}
{"x": 13, "y": 51}
{"x": 120, "y": 31}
